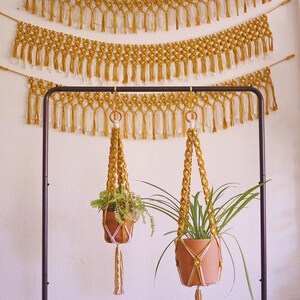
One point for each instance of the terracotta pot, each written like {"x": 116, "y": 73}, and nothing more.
{"x": 122, "y": 236}
{"x": 186, "y": 263}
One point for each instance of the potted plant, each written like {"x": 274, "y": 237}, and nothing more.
{"x": 120, "y": 211}
{"x": 198, "y": 245}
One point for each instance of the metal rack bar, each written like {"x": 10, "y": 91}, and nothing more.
{"x": 262, "y": 166}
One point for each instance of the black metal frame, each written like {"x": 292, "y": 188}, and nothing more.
{"x": 262, "y": 167}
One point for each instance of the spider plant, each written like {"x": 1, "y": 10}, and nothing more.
{"x": 197, "y": 223}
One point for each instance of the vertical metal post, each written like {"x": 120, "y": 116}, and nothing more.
{"x": 45, "y": 197}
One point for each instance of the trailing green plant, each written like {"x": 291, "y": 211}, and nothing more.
{"x": 127, "y": 206}
{"x": 197, "y": 222}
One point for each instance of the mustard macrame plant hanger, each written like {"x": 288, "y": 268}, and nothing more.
{"x": 196, "y": 271}
{"x": 149, "y": 89}
{"x": 117, "y": 178}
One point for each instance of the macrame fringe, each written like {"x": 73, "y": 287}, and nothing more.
{"x": 198, "y": 293}
{"x": 124, "y": 63}
{"x": 153, "y": 116}
{"x": 119, "y": 273}
{"x": 127, "y": 16}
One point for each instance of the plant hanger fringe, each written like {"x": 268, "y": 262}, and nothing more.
{"x": 141, "y": 63}
{"x": 125, "y": 16}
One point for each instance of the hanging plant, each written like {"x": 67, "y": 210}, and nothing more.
{"x": 121, "y": 208}
{"x": 201, "y": 228}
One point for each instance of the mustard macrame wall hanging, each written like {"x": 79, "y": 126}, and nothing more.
{"x": 151, "y": 115}
{"x": 142, "y": 63}
{"x": 123, "y": 16}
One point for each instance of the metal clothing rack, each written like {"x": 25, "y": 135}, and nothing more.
{"x": 262, "y": 167}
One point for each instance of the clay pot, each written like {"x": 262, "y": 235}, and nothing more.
{"x": 122, "y": 235}
{"x": 185, "y": 262}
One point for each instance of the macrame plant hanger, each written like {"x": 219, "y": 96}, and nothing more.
{"x": 197, "y": 275}
{"x": 117, "y": 175}
{"x": 192, "y": 139}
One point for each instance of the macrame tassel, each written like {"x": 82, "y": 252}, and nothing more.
{"x": 115, "y": 73}
{"x": 152, "y": 74}
{"x": 249, "y": 50}
{"x": 38, "y": 57}
{"x": 214, "y": 121}
{"x": 125, "y": 73}
{"x": 245, "y": 6}
{"x": 73, "y": 119}
{"x": 155, "y": 23}
{"x": 228, "y": 61}
{"x": 27, "y": 7}
{"x": 144, "y": 127}
{"x": 173, "y": 123}
{"x": 195, "y": 66}
{"x": 236, "y": 56}
{"x": 103, "y": 23}
{"x": 125, "y": 132}
{"x": 64, "y": 63}
{"x": 203, "y": 119}
{"x": 224, "y": 117}
{"x": 51, "y": 13}
{"x": 187, "y": 17}
{"x": 154, "y": 126}
{"x": 212, "y": 63}
{"x": 105, "y": 130}
{"x": 63, "y": 120}
{"x": 94, "y": 123}
{"x": 177, "y": 18}
{"x": 70, "y": 17}
{"x": 271, "y": 43}
{"x": 81, "y": 18}
{"x": 97, "y": 71}
{"x": 15, "y": 49}
{"x": 133, "y": 72}
{"x": 145, "y": 22}
{"x": 29, "y": 108}
{"x": 61, "y": 13}
{"x": 167, "y": 20}
{"x": 133, "y": 127}
{"x": 256, "y": 47}
{"x": 274, "y": 105}
{"x": 207, "y": 14}
{"x": 203, "y": 65}
{"x": 106, "y": 71}
{"x": 231, "y": 113}
{"x": 89, "y": 69}
{"x": 227, "y": 8}
{"x": 241, "y": 110}
{"x": 177, "y": 69}
{"x": 237, "y": 7}
{"x": 43, "y": 8}
{"x": 264, "y": 46}
{"x": 168, "y": 71}
{"x": 92, "y": 22}
{"x": 165, "y": 133}
{"x": 243, "y": 57}
{"x": 29, "y": 54}
{"x": 160, "y": 72}
{"x": 143, "y": 73}
{"x": 34, "y": 10}
{"x": 47, "y": 59}
{"x": 198, "y": 293}
{"x": 220, "y": 62}
{"x": 119, "y": 274}
{"x": 134, "y": 24}
{"x": 115, "y": 22}
{"x": 254, "y": 3}
{"x": 72, "y": 64}
{"x": 250, "y": 118}
{"x": 55, "y": 115}
{"x": 197, "y": 21}
{"x": 23, "y": 51}
{"x": 83, "y": 121}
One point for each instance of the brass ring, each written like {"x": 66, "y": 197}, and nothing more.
{"x": 193, "y": 114}
{"x": 113, "y": 116}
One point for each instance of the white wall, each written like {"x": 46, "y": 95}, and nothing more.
{"x": 80, "y": 262}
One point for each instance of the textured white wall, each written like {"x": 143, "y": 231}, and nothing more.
{"x": 80, "y": 262}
